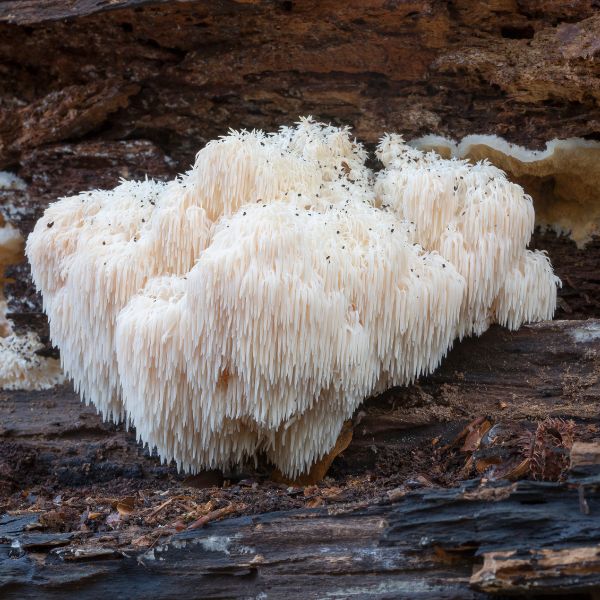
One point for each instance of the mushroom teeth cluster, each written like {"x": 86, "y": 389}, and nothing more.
{"x": 251, "y": 304}
{"x": 481, "y": 223}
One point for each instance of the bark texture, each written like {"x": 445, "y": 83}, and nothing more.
{"x": 92, "y": 91}
{"x": 180, "y": 73}
{"x": 455, "y": 543}
{"x": 550, "y": 369}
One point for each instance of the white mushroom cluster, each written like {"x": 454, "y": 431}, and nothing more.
{"x": 250, "y": 305}
{"x": 562, "y": 179}
{"x": 481, "y": 223}
{"x": 21, "y": 368}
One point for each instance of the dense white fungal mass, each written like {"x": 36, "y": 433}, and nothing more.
{"x": 251, "y": 305}
{"x": 481, "y": 223}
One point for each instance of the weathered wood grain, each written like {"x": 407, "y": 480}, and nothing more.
{"x": 179, "y": 73}
{"x": 424, "y": 545}
{"x": 548, "y": 369}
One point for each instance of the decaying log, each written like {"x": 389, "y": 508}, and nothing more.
{"x": 549, "y": 369}
{"x": 465, "y": 542}
{"x": 179, "y": 73}
{"x": 585, "y": 461}
{"x": 91, "y": 91}
{"x": 555, "y": 570}
{"x": 559, "y": 568}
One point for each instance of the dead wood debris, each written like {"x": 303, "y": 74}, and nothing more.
{"x": 512, "y": 450}
{"x": 98, "y": 526}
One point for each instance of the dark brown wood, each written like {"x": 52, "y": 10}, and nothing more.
{"x": 179, "y": 73}
{"x": 548, "y": 369}
{"x": 468, "y": 541}
{"x": 92, "y": 91}
{"x": 524, "y": 537}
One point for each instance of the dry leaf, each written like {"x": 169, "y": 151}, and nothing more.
{"x": 311, "y": 490}
{"x": 333, "y": 494}
{"x": 142, "y": 541}
{"x": 475, "y": 431}
{"x": 125, "y": 505}
{"x": 315, "y": 502}
{"x": 216, "y": 514}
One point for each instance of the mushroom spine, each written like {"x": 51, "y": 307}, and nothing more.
{"x": 251, "y": 304}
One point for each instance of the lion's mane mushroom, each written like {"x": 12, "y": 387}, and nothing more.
{"x": 253, "y": 303}
{"x": 481, "y": 223}
{"x": 562, "y": 179}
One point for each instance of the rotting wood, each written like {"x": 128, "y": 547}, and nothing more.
{"x": 522, "y": 537}
{"x": 179, "y": 73}
{"x": 94, "y": 91}
{"x": 424, "y": 543}
{"x": 510, "y": 572}
{"x": 548, "y": 369}
{"x": 585, "y": 456}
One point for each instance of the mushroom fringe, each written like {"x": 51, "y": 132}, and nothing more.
{"x": 250, "y": 305}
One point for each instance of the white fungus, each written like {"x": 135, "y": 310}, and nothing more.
{"x": 22, "y": 369}
{"x": 562, "y": 179}
{"x": 10, "y": 181}
{"x": 20, "y": 366}
{"x": 481, "y": 223}
{"x": 251, "y": 305}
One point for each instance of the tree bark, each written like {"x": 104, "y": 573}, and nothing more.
{"x": 473, "y": 541}
{"x": 544, "y": 370}
{"x": 180, "y": 73}
{"x": 92, "y": 91}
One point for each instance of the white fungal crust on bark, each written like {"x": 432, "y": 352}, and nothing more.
{"x": 253, "y": 303}
{"x": 22, "y": 369}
